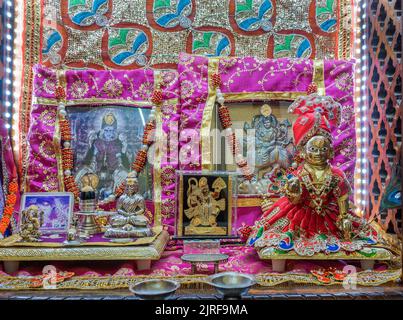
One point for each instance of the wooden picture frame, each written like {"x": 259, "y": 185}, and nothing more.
{"x": 205, "y": 204}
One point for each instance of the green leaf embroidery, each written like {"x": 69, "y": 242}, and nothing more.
{"x": 327, "y": 9}
{"x": 246, "y": 6}
{"x": 162, "y": 4}
{"x": 204, "y": 43}
{"x": 73, "y": 3}
{"x": 286, "y": 46}
{"x": 120, "y": 39}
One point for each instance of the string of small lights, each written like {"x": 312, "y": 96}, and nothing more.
{"x": 7, "y": 53}
{"x": 360, "y": 54}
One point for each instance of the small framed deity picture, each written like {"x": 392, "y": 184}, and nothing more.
{"x": 54, "y": 209}
{"x": 205, "y": 204}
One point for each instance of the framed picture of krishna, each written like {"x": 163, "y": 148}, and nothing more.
{"x": 90, "y": 128}
{"x": 205, "y": 204}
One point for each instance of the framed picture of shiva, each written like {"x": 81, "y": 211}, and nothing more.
{"x": 105, "y": 142}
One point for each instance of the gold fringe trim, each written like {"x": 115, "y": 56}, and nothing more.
{"x": 364, "y": 278}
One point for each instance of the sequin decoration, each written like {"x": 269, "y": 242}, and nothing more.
{"x": 79, "y": 89}
{"x": 113, "y": 88}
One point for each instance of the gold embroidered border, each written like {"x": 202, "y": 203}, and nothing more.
{"x": 364, "y": 278}
{"x": 89, "y": 101}
{"x": 230, "y": 203}
{"x": 180, "y": 213}
{"x": 344, "y": 35}
{"x": 318, "y": 76}
{"x": 205, "y": 142}
{"x": 381, "y": 254}
{"x": 249, "y": 202}
{"x": 263, "y": 95}
{"x": 158, "y": 149}
{"x": 32, "y": 24}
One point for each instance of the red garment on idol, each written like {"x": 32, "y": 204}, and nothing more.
{"x": 318, "y": 210}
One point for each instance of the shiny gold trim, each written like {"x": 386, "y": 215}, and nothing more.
{"x": 31, "y": 20}
{"x": 249, "y": 202}
{"x": 158, "y": 149}
{"x": 230, "y": 202}
{"x": 318, "y": 76}
{"x": 344, "y": 38}
{"x": 199, "y": 281}
{"x": 364, "y": 278}
{"x": 122, "y": 102}
{"x": 205, "y": 141}
{"x": 141, "y": 241}
{"x": 146, "y": 252}
{"x": 382, "y": 254}
{"x": 263, "y": 95}
{"x": 180, "y": 218}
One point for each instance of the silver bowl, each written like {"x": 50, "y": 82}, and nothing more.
{"x": 231, "y": 284}
{"x": 156, "y": 289}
